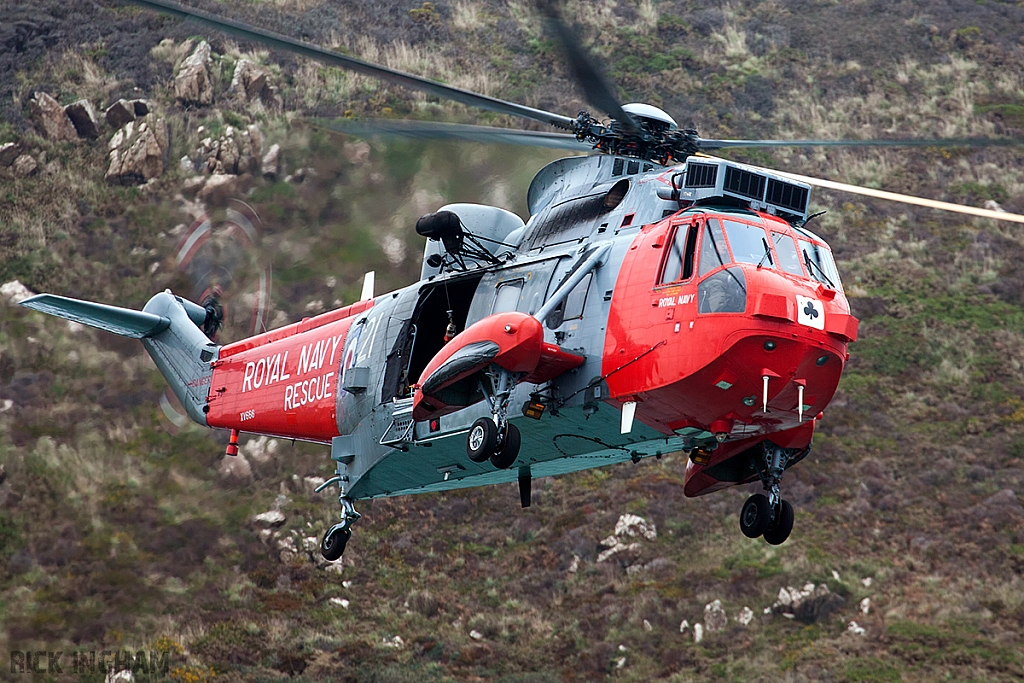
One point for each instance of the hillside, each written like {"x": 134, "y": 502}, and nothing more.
{"x": 122, "y": 530}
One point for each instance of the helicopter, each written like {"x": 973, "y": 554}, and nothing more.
{"x": 657, "y": 300}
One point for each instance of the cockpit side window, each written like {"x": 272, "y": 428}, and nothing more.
{"x": 820, "y": 263}
{"x": 713, "y": 252}
{"x": 785, "y": 247}
{"x": 679, "y": 260}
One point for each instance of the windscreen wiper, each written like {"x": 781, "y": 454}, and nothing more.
{"x": 812, "y": 266}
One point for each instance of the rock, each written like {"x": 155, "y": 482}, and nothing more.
{"x": 271, "y": 518}
{"x": 270, "y": 167}
{"x": 119, "y": 114}
{"x": 250, "y": 81}
{"x": 24, "y": 166}
{"x": 218, "y": 188}
{"x": 142, "y": 107}
{"x": 476, "y": 635}
{"x": 395, "y": 642}
{"x": 123, "y": 676}
{"x": 574, "y": 566}
{"x": 235, "y": 152}
{"x": 340, "y": 602}
{"x": 698, "y": 633}
{"x": 83, "y": 118}
{"x": 193, "y": 184}
{"x": 746, "y": 615}
{"x": 856, "y": 630}
{"x": 819, "y": 606}
{"x": 50, "y": 118}
{"x": 185, "y": 165}
{"x": 993, "y": 205}
{"x": 714, "y": 616}
{"x": 635, "y": 526}
{"x": 234, "y": 467}
{"x": 866, "y": 581}
{"x": 629, "y": 553}
{"x": 193, "y": 83}
{"x": 684, "y": 626}
{"x": 9, "y": 152}
{"x": 137, "y": 152}
{"x": 865, "y": 606}
{"x": 647, "y": 626}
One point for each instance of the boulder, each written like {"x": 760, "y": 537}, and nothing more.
{"x": 50, "y": 118}
{"x": 270, "y": 166}
{"x": 234, "y": 468}
{"x": 818, "y": 606}
{"x": 271, "y": 518}
{"x": 714, "y": 616}
{"x": 24, "y": 166}
{"x": 137, "y": 152}
{"x": 218, "y": 188}
{"x": 83, "y": 118}
{"x": 193, "y": 83}
{"x": 250, "y": 81}
{"x": 635, "y": 526}
{"x": 8, "y": 153}
{"x": 14, "y": 292}
{"x": 234, "y": 153}
{"x": 142, "y": 107}
{"x": 119, "y": 114}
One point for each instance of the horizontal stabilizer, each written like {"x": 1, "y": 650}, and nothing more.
{"x": 122, "y": 321}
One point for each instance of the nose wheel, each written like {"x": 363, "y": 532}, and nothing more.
{"x": 768, "y": 515}
{"x": 495, "y": 438}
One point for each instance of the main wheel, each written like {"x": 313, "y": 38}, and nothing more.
{"x": 755, "y": 515}
{"x": 482, "y": 439}
{"x": 333, "y": 544}
{"x": 778, "y": 531}
{"x": 506, "y": 455}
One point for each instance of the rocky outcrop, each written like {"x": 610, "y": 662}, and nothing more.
{"x": 14, "y": 292}
{"x": 8, "y": 153}
{"x": 234, "y": 153}
{"x": 193, "y": 83}
{"x": 715, "y": 618}
{"x": 24, "y": 166}
{"x": 252, "y": 83}
{"x": 137, "y": 152}
{"x": 50, "y": 118}
{"x": 83, "y": 118}
{"x": 119, "y": 114}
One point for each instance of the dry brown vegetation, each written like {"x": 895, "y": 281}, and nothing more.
{"x": 117, "y": 531}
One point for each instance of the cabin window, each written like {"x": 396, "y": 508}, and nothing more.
{"x": 785, "y": 248}
{"x": 507, "y": 297}
{"x": 749, "y": 244}
{"x": 723, "y": 292}
{"x": 713, "y": 252}
{"x": 679, "y": 260}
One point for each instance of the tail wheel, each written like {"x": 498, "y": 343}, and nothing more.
{"x": 506, "y": 455}
{"x": 482, "y": 439}
{"x": 332, "y": 547}
{"x": 782, "y": 526}
{"x": 755, "y": 516}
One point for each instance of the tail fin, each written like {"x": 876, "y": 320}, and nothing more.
{"x": 169, "y": 329}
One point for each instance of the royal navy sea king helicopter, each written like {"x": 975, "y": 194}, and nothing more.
{"x": 657, "y": 300}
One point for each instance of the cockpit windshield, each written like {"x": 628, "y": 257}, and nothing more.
{"x": 714, "y": 251}
{"x": 749, "y": 243}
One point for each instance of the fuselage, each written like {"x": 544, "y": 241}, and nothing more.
{"x": 687, "y": 315}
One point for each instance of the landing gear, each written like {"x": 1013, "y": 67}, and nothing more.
{"x": 755, "y": 516}
{"x": 495, "y": 438}
{"x": 769, "y": 515}
{"x": 332, "y": 545}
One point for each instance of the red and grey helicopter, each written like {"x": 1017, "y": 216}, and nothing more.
{"x": 657, "y": 300}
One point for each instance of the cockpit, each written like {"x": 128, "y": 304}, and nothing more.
{"x": 711, "y": 247}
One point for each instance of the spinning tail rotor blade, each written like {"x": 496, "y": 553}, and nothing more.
{"x": 595, "y": 87}
{"x": 905, "y": 198}
{"x": 332, "y": 58}
{"x": 429, "y": 130}
{"x": 708, "y": 144}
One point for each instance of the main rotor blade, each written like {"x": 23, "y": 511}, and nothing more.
{"x": 586, "y": 72}
{"x": 431, "y": 130}
{"x": 312, "y": 51}
{"x": 705, "y": 144}
{"x": 905, "y": 198}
